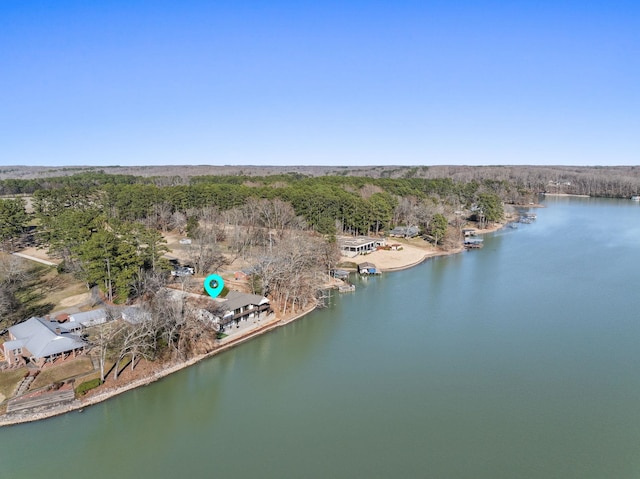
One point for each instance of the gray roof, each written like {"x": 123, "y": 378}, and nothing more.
{"x": 366, "y": 265}
{"x": 135, "y": 315}
{"x": 67, "y": 327}
{"x": 472, "y": 240}
{"x": 405, "y": 231}
{"x": 15, "y": 344}
{"x": 236, "y": 299}
{"x": 89, "y": 318}
{"x": 39, "y": 336}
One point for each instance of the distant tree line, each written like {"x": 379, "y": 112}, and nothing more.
{"x": 600, "y": 181}
{"x": 328, "y": 205}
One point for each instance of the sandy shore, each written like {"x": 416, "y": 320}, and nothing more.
{"x": 413, "y": 252}
{"x": 566, "y": 194}
{"x": 407, "y": 257}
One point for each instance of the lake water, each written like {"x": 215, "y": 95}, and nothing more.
{"x": 519, "y": 360}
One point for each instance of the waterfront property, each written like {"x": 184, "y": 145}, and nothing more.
{"x": 360, "y": 245}
{"x": 340, "y": 274}
{"x": 240, "y": 306}
{"x": 493, "y": 369}
{"x": 472, "y": 242}
{"x": 368, "y": 268}
{"x": 38, "y": 341}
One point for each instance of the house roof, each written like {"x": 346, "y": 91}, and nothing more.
{"x": 344, "y": 242}
{"x": 89, "y": 318}
{"x": 39, "y": 336}
{"x": 236, "y": 300}
{"x": 472, "y": 240}
{"x": 405, "y": 231}
{"x": 15, "y": 344}
{"x": 366, "y": 265}
{"x": 68, "y": 327}
{"x": 135, "y": 315}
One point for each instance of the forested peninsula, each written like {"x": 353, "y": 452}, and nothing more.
{"x": 125, "y": 240}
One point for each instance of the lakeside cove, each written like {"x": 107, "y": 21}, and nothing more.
{"x": 413, "y": 252}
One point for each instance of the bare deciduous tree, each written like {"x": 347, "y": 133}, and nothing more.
{"x": 137, "y": 340}
{"x": 294, "y": 273}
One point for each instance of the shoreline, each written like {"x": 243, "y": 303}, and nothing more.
{"x": 566, "y": 194}
{"x": 10, "y": 419}
{"x": 426, "y": 252}
{"x": 427, "y": 256}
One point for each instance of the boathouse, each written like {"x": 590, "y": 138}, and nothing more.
{"x": 368, "y": 268}
{"x": 473, "y": 242}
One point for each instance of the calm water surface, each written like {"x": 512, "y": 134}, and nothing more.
{"x": 520, "y": 360}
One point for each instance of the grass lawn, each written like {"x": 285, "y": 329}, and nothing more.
{"x": 63, "y": 371}
{"x": 348, "y": 265}
{"x": 9, "y": 381}
{"x": 57, "y": 287}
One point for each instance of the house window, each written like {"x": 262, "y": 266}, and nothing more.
{"x": 17, "y": 351}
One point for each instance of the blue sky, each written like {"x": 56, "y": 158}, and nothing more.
{"x": 328, "y": 83}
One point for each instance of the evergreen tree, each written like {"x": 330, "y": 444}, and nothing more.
{"x": 13, "y": 218}
{"x": 438, "y": 227}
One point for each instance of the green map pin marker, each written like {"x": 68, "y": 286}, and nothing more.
{"x": 213, "y": 284}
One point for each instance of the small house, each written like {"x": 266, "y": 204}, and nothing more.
{"x": 244, "y": 274}
{"x": 405, "y": 231}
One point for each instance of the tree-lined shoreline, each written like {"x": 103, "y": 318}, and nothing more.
{"x": 108, "y": 232}
{"x": 170, "y": 368}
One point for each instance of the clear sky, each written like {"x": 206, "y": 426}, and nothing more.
{"x": 132, "y": 82}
